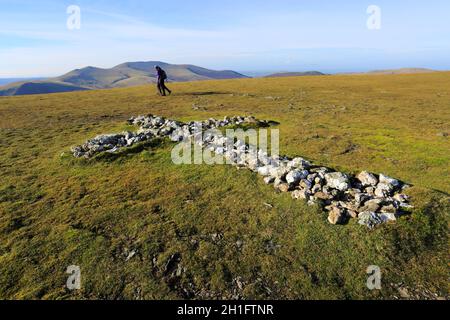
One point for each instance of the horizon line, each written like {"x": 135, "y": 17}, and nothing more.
{"x": 243, "y": 72}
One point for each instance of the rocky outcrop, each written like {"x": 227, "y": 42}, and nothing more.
{"x": 370, "y": 198}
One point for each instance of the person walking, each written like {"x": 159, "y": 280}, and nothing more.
{"x": 162, "y": 77}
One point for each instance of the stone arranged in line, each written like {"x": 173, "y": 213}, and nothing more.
{"x": 372, "y": 199}
{"x": 153, "y": 127}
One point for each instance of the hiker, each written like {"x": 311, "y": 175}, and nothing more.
{"x": 162, "y": 77}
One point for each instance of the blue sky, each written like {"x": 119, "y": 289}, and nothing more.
{"x": 248, "y": 36}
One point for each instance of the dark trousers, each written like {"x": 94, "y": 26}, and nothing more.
{"x": 162, "y": 87}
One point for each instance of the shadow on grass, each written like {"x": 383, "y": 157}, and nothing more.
{"x": 256, "y": 125}
{"x": 442, "y": 193}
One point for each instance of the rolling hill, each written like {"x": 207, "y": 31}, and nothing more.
{"x": 402, "y": 71}
{"x": 124, "y": 75}
{"x": 295, "y": 74}
{"x": 392, "y": 71}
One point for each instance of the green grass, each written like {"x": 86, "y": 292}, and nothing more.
{"x": 56, "y": 211}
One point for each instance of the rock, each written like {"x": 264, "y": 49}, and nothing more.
{"x": 252, "y": 161}
{"x": 384, "y": 190}
{"x": 337, "y": 180}
{"x": 316, "y": 189}
{"x": 389, "y": 209}
{"x": 180, "y": 271}
{"x": 352, "y": 214}
{"x": 277, "y": 182}
{"x": 322, "y": 196}
{"x": 334, "y": 193}
{"x": 405, "y": 205}
{"x": 312, "y": 177}
{"x": 263, "y": 157}
{"x": 294, "y": 177}
{"x": 321, "y": 171}
{"x": 353, "y": 192}
{"x": 371, "y": 205}
{"x": 239, "y": 144}
{"x": 403, "y": 293}
{"x": 389, "y": 181}
{"x": 299, "y": 163}
{"x": 300, "y": 194}
{"x": 264, "y": 171}
{"x": 131, "y": 255}
{"x": 319, "y": 181}
{"x": 269, "y": 180}
{"x": 361, "y": 198}
{"x": 279, "y": 172}
{"x": 387, "y": 217}
{"x": 176, "y": 137}
{"x": 215, "y": 237}
{"x": 337, "y": 216}
{"x": 370, "y": 191}
{"x": 367, "y": 179}
{"x": 284, "y": 187}
{"x": 401, "y": 197}
{"x": 369, "y": 219}
{"x": 349, "y": 206}
{"x": 250, "y": 119}
{"x": 239, "y": 283}
{"x": 305, "y": 184}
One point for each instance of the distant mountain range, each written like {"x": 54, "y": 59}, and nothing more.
{"x": 295, "y": 74}
{"x": 124, "y": 75}
{"x": 396, "y": 71}
{"x": 140, "y": 73}
{"x": 375, "y": 72}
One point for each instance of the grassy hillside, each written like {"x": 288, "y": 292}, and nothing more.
{"x": 142, "y": 228}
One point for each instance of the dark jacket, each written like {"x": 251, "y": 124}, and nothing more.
{"x": 162, "y": 75}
